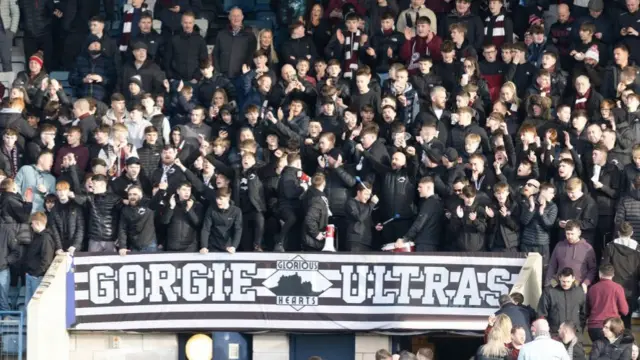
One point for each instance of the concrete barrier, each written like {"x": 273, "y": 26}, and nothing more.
{"x": 47, "y": 336}
{"x": 529, "y": 282}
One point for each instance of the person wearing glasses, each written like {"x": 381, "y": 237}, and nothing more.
{"x": 537, "y": 219}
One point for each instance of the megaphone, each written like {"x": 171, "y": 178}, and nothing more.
{"x": 329, "y": 239}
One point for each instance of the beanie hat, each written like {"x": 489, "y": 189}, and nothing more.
{"x": 593, "y": 53}
{"x": 38, "y": 57}
{"x": 136, "y": 79}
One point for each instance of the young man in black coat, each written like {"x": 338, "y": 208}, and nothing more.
{"x": 222, "y": 226}
{"x": 66, "y": 220}
{"x": 183, "y": 217}
{"x": 291, "y": 187}
{"x": 359, "y": 222}
{"x": 426, "y": 230}
{"x": 503, "y": 217}
{"x": 39, "y": 256}
{"x": 316, "y": 209}
{"x": 136, "y": 228}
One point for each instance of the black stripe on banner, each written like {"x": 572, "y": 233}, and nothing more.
{"x": 129, "y": 318}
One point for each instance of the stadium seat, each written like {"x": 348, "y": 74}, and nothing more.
{"x": 114, "y": 32}
{"x": 18, "y": 66}
{"x": 203, "y": 25}
{"x": 6, "y": 78}
{"x": 247, "y": 6}
{"x": 262, "y": 5}
{"x": 269, "y": 16}
{"x": 157, "y": 26}
{"x": 258, "y": 24}
{"x": 63, "y": 79}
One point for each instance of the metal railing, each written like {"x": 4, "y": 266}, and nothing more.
{"x": 12, "y": 335}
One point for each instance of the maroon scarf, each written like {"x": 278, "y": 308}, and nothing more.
{"x": 581, "y": 101}
{"x": 127, "y": 25}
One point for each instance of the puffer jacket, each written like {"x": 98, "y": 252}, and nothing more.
{"x": 183, "y": 226}
{"x": 36, "y": 16}
{"x": 103, "y": 212}
{"x": 536, "y": 228}
{"x": 339, "y": 182}
{"x": 14, "y": 215}
{"x": 617, "y": 350}
{"x": 85, "y": 65}
{"x": 623, "y": 255}
{"x": 629, "y": 210}
{"x": 150, "y": 156}
{"x": 558, "y": 305}
{"x": 31, "y": 84}
{"x": 67, "y": 225}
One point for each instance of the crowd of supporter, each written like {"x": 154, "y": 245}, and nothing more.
{"x": 433, "y": 125}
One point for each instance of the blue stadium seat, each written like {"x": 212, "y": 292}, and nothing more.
{"x": 247, "y": 6}
{"x": 258, "y": 24}
{"x": 262, "y": 5}
{"x": 63, "y": 79}
{"x": 269, "y": 16}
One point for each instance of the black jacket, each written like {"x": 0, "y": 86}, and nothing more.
{"x": 339, "y": 181}
{"x": 151, "y": 76}
{"x": 373, "y": 161}
{"x": 120, "y": 185}
{"x": 628, "y": 209}
{"x": 183, "y": 56}
{"x": 504, "y": 231}
{"x": 231, "y": 52}
{"x": 289, "y": 189}
{"x": 607, "y": 196}
{"x": 618, "y": 350}
{"x": 149, "y": 156}
{"x": 467, "y": 234}
{"x": 474, "y": 24}
{"x": 36, "y": 16}
{"x": 398, "y": 191}
{"x": 558, "y": 305}
{"x": 14, "y": 216}
{"x": 625, "y": 258}
{"x": 519, "y": 316}
{"x": 294, "y": 50}
{"x": 536, "y": 228}
{"x": 10, "y": 118}
{"x": 136, "y": 228}
{"x": 221, "y": 228}
{"x": 183, "y": 226}
{"x": 428, "y": 227}
{"x": 359, "y": 221}
{"x": 40, "y": 254}
{"x": 249, "y": 190}
{"x": 583, "y": 210}
{"x": 206, "y": 88}
{"x": 103, "y": 215}
{"x": 155, "y": 45}
{"x": 175, "y": 177}
{"x": 315, "y": 220}
{"x": 67, "y": 225}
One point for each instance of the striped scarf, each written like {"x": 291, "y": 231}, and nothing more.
{"x": 127, "y": 25}
{"x": 351, "y": 47}
{"x": 494, "y": 30}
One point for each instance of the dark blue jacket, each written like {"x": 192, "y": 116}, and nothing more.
{"x": 519, "y": 317}
{"x": 86, "y": 65}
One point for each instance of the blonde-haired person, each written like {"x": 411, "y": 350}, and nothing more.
{"x": 265, "y": 43}
{"x": 495, "y": 348}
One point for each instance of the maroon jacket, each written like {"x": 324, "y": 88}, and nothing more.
{"x": 604, "y": 300}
